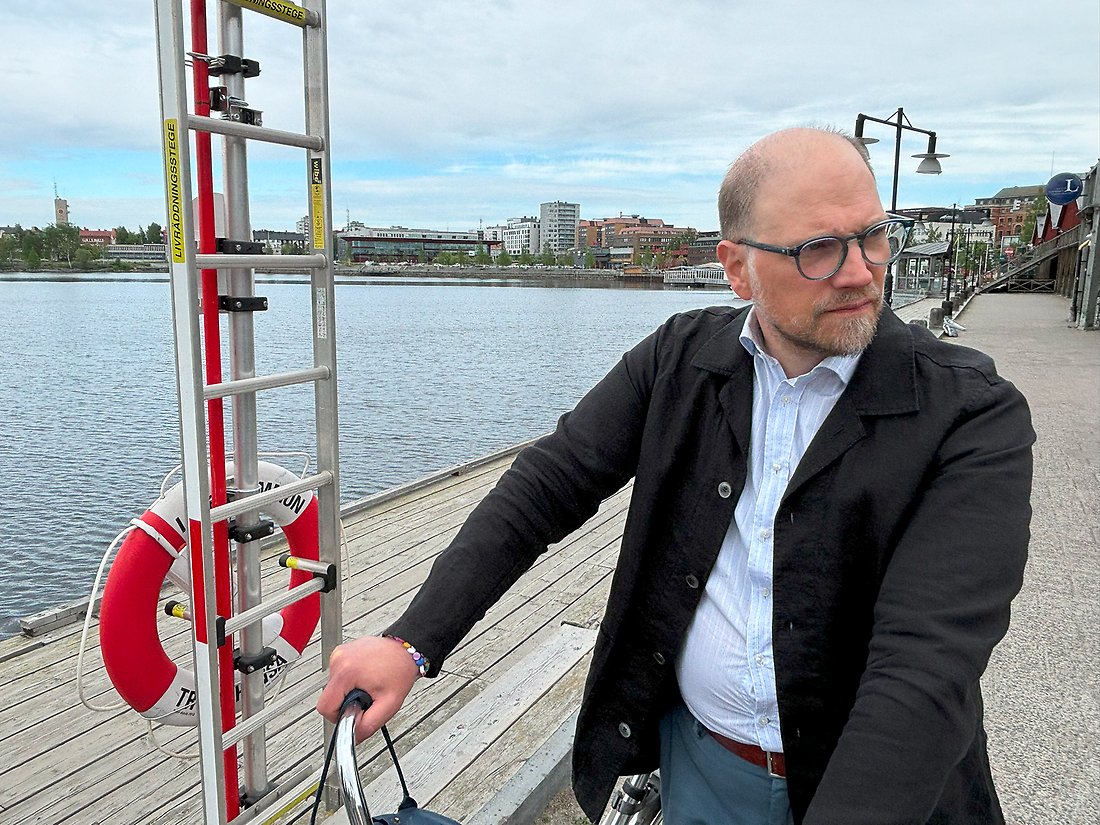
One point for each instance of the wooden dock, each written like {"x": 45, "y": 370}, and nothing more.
{"x": 526, "y": 661}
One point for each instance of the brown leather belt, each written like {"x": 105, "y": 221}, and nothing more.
{"x": 772, "y": 762}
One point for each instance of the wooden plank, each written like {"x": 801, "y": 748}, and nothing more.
{"x": 497, "y": 763}
{"x": 449, "y": 749}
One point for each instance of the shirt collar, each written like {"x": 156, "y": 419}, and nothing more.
{"x": 842, "y": 366}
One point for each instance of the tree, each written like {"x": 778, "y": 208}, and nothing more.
{"x": 525, "y": 258}
{"x": 85, "y": 255}
{"x": 564, "y": 259}
{"x": 933, "y": 235}
{"x": 61, "y": 241}
{"x": 154, "y": 233}
{"x": 8, "y": 245}
{"x": 589, "y": 259}
{"x": 32, "y": 241}
{"x": 504, "y": 259}
{"x": 32, "y": 259}
{"x": 547, "y": 257}
{"x": 1027, "y": 228}
{"x": 482, "y": 257}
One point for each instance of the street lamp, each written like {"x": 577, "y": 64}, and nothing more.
{"x": 929, "y": 165}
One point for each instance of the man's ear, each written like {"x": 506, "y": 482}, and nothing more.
{"x": 734, "y": 260}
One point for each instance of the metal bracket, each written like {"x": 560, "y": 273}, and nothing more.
{"x": 242, "y": 114}
{"x": 250, "y": 664}
{"x": 242, "y": 534}
{"x": 232, "y": 64}
{"x": 225, "y": 246}
{"x": 227, "y": 303}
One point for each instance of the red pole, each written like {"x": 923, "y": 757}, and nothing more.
{"x": 215, "y": 413}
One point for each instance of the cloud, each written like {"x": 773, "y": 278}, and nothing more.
{"x": 465, "y": 110}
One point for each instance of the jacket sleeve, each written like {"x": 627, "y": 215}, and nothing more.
{"x": 552, "y": 487}
{"x": 942, "y": 606}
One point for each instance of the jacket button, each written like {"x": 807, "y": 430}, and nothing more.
{"x": 624, "y": 730}
{"x": 724, "y": 489}
{"x": 692, "y": 582}
{"x": 659, "y": 657}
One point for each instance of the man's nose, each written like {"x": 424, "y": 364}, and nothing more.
{"x": 855, "y": 272}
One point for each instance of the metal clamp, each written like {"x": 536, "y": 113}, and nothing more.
{"x": 250, "y": 664}
{"x": 244, "y": 533}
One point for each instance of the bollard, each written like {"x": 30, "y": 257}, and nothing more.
{"x": 935, "y": 318}
{"x": 920, "y": 322}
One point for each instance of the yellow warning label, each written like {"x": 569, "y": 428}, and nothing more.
{"x": 173, "y": 186}
{"x": 317, "y": 206}
{"x": 279, "y": 9}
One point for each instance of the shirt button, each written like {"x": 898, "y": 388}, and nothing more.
{"x": 760, "y": 660}
{"x": 765, "y": 592}
{"x": 764, "y": 720}
{"x": 692, "y": 582}
{"x": 765, "y": 533}
{"x": 659, "y": 657}
{"x": 786, "y": 399}
{"x": 777, "y": 467}
{"x": 724, "y": 489}
{"x": 624, "y": 730}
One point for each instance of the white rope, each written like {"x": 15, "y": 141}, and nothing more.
{"x": 88, "y": 623}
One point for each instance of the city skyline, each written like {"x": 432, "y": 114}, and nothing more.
{"x": 453, "y": 115}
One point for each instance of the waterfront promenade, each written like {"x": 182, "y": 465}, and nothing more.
{"x": 1042, "y": 688}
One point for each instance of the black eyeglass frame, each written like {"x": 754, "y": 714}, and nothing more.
{"x": 845, "y": 240}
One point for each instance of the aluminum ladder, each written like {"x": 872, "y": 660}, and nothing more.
{"x": 196, "y": 267}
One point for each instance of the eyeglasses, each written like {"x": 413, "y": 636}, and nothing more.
{"x": 821, "y": 258}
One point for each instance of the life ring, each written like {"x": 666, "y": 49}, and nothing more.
{"x": 142, "y": 673}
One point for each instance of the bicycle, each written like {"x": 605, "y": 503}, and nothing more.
{"x": 637, "y": 802}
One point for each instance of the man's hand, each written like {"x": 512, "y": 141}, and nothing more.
{"x": 376, "y": 664}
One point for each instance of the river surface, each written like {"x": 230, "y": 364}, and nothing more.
{"x": 432, "y": 373}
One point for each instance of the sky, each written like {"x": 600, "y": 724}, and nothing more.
{"x": 451, "y": 115}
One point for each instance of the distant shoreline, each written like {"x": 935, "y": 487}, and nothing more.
{"x": 534, "y": 275}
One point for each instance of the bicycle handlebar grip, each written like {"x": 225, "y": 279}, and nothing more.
{"x": 356, "y": 697}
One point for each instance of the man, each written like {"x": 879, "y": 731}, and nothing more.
{"x": 829, "y": 521}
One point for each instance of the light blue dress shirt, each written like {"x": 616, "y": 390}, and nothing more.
{"x": 725, "y": 670}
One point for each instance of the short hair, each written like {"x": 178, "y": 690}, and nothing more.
{"x": 737, "y": 195}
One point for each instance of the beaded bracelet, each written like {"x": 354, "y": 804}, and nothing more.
{"x": 418, "y": 658}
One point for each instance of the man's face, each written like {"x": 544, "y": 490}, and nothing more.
{"x": 827, "y": 191}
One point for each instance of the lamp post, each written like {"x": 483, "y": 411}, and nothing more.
{"x": 929, "y": 165}
{"x": 948, "y": 307}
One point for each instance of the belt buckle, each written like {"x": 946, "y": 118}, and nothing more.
{"x": 771, "y": 772}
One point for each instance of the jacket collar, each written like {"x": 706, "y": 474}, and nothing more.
{"x": 884, "y": 383}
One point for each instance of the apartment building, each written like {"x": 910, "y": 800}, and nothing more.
{"x": 558, "y": 223}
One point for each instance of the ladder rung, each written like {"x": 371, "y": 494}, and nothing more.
{"x": 287, "y": 700}
{"x": 234, "y": 128}
{"x": 272, "y": 605}
{"x": 282, "y": 10}
{"x": 317, "y": 261}
{"x": 265, "y": 382}
{"x": 258, "y": 500}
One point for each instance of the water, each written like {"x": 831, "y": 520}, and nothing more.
{"x": 432, "y": 373}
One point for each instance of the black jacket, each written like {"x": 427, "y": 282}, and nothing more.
{"x": 898, "y": 546}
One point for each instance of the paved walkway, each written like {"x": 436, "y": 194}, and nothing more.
{"x": 1042, "y": 688}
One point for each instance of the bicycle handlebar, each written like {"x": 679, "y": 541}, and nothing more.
{"x": 355, "y": 804}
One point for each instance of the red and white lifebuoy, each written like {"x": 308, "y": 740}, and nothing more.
{"x": 142, "y": 673}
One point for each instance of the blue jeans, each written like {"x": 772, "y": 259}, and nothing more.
{"x": 702, "y": 783}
